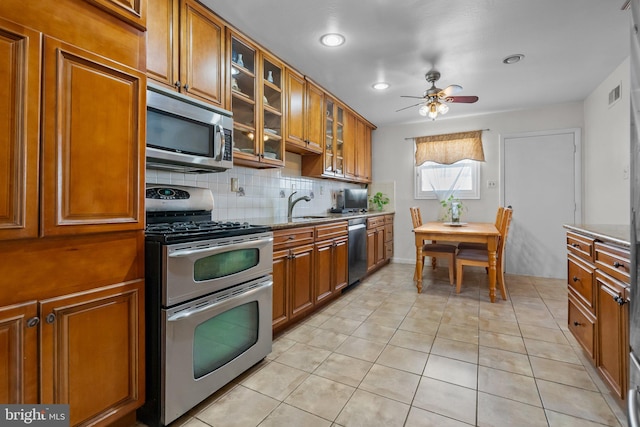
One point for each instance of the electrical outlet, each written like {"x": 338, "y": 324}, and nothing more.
{"x": 321, "y": 190}
{"x": 492, "y": 184}
{"x": 234, "y": 185}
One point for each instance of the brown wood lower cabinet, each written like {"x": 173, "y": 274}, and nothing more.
{"x": 612, "y": 332}
{"x": 379, "y": 241}
{"x": 311, "y": 265}
{"x": 598, "y": 285}
{"x": 332, "y": 261}
{"x": 91, "y": 352}
{"x": 292, "y": 275}
{"x": 19, "y": 353}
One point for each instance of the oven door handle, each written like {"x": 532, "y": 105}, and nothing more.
{"x": 222, "y": 248}
{"x": 183, "y": 314}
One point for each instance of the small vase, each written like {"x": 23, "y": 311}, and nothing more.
{"x": 455, "y": 212}
{"x": 240, "y": 62}
{"x": 270, "y": 76}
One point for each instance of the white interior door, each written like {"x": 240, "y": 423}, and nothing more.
{"x": 541, "y": 181}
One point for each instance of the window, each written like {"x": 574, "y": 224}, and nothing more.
{"x": 438, "y": 181}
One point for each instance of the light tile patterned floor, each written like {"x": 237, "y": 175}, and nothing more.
{"x": 383, "y": 355}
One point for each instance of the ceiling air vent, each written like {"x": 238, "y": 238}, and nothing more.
{"x": 614, "y": 95}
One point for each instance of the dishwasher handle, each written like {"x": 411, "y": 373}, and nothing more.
{"x": 356, "y": 227}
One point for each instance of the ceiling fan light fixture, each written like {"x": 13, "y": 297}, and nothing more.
{"x": 381, "y": 86}
{"x": 423, "y": 110}
{"x": 513, "y": 59}
{"x": 433, "y": 111}
{"x": 332, "y": 40}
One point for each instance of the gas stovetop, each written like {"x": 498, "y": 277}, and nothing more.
{"x": 177, "y": 214}
{"x": 178, "y": 232}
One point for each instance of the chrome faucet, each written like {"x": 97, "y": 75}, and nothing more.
{"x": 291, "y": 204}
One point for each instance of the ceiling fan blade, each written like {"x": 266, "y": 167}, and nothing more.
{"x": 450, "y": 90}
{"x": 464, "y": 99}
{"x": 410, "y": 106}
{"x": 408, "y": 96}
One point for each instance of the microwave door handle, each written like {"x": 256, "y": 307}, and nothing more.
{"x": 221, "y": 248}
{"x": 219, "y": 132}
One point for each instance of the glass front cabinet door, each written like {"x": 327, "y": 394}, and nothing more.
{"x": 256, "y": 102}
{"x": 334, "y": 139}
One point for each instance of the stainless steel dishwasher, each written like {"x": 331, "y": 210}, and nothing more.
{"x": 357, "y": 249}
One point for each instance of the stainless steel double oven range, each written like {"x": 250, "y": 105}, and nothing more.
{"x": 208, "y": 300}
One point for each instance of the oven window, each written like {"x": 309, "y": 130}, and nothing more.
{"x": 225, "y": 264}
{"x": 224, "y": 337}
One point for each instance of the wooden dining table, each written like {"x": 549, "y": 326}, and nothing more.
{"x": 481, "y": 232}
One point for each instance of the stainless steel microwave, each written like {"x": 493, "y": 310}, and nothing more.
{"x": 186, "y": 135}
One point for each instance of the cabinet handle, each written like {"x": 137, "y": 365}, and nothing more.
{"x": 575, "y": 245}
{"x": 618, "y": 264}
{"x": 621, "y": 301}
{"x": 291, "y": 237}
{"x": 177, "y": 84}
{"x": 186, "y": 87}
{"x": 33, "y": 322}
{"x": 50, "y": 318}
{"x": 576, "y": 323}
{"x": 262, "y": 155}
{"x": 575, "y": 278}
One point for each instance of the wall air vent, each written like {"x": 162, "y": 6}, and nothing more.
{"x": 614, "y": 95}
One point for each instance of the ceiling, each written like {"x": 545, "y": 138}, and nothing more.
{"x": 570, "y": 47}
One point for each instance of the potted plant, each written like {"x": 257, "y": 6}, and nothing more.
{"x": 379, "y": 200}
{"x": 453, "y": 209}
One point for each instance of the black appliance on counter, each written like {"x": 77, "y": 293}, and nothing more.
{"x": 208, "y": 300}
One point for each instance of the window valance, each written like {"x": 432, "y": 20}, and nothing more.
{"x": 449, "y": 148}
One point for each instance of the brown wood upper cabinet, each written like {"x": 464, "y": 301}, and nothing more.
{"x": 257, "y": 102}
{"x": 185, "y": 49}
{"x": 346, "y": 140}
{"x": 132, "y": 12}
{"x": 20, "y": 70}
{"x": 93, "y": 157}
{"x": 304, "y": 114}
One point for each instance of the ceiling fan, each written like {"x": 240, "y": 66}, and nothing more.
{"x": 434, "y": 99}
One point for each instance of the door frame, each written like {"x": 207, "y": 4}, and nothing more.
{"x": 577, "y": 163}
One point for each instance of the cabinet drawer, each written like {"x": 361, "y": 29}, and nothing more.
{"x": 613, "y": 260}
{"x": 375, "y": 222}
{"x": 290, "y": 237}
{"x": 580, "y": 246}
{"x": 582, "y": 326}
{"x": 580, "y": 280}
{"x": 388, "y": 219}
{"x": 330, "y": 231}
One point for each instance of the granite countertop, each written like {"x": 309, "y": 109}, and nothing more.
{"x": 613, "y": 233}
{"x": 278, "y": 223}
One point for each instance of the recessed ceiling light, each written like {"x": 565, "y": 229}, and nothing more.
{"x": 381, "y": 86}
{"x": 332, "y": 39}
{"x": 512, "y": 59}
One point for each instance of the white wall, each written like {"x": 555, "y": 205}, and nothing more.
{"x": 606, "y": 152}
{"x": 393, "y": 161}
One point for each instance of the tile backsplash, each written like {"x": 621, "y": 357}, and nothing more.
{"x": 263, "y": 192}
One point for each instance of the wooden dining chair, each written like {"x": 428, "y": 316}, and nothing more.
{"x": 434, "y": 250}
{"x": 480, "y": 257}
{"x": 483, "y": 246}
